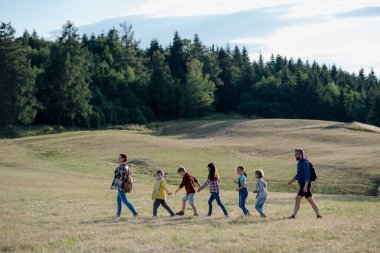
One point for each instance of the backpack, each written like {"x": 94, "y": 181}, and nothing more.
{"x": 313, "y": 175}
{"x": 127, "y": 184}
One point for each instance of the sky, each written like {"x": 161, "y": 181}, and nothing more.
{"x": 341, "y": 32}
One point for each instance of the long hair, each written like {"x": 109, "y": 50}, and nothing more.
{"x": 213, "y": 172}
{"x": 241, "y": 167}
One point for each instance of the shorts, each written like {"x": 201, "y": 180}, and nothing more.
{"x": 190, "y": 197}
{"x": 307, "y": 194}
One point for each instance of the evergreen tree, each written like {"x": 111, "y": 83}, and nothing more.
{"x": 65, "y": 93}
{"x": 18, "y": 103}
{"x": 198, "y": 93}
{"x": 162, "y": 89}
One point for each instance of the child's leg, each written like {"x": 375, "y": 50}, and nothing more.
{"x": 124, "y": 199}
{"x": 217, "y": 198}
{"x": 119, "y": 206}
{"x": 184, "y": 199}
{"x": 259, "y": 206}
{"x": 211, "y": 199}
{"x": 156, "y": 204}
{"x": 242, "y": 199}
{"x": 192, "y": 203}
{"x": 164, "y": 205}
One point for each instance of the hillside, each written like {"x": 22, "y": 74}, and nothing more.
{"x": 54, "y": 189}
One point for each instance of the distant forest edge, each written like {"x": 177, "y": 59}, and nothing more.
{"x": 93, "y": 81}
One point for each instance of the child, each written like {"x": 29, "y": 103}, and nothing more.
{"x": 243, "y": 191}
{"x": 189, "y": 182}
{"x": 120, "y": 176}
{"x": 213, "y": 180}
{"x": 159, "y": 194}
{"x": 262, "y": 193}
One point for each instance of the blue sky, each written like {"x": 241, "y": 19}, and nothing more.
{"x": 344, "y": 32}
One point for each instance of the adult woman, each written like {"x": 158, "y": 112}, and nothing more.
{"x": 121, "y": 173}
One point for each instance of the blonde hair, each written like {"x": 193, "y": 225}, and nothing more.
{"x": 259, "y": 173}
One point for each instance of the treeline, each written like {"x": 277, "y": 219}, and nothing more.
{"x": 108, "y": 79}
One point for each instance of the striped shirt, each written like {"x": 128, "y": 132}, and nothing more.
{"x": 214, "y": 185}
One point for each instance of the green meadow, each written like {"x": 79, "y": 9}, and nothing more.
{"x": 55, "y": 189}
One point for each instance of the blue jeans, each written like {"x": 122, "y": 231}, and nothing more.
{"x": 259, "y": 206}
{"x": 215, "y": 196}
{"x": 122, "y": 197}
{"x": 243, "y": 195}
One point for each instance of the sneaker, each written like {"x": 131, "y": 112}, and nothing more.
{"x": 263, "y": 216}
{"x": 180, "y": 213}
{"x": 227, "y": 216}
{"x": 117, "y": 218}
{"x": 172, "y": 215}
{"x": 195, "y": 214}
{"x": 135, "y": 215}
{"x": 319, "y": 216}
{"x": 291, "y": 217}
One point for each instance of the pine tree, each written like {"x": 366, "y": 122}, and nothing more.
{"x": 198, "y": 93}
{"x": 18, "y": 103}
{"x": 162, "y": 89}
{"x": 65, "y": 93}
{"x": 374, "y": 114}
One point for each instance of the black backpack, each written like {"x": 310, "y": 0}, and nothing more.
{"x": 313, "y": 175}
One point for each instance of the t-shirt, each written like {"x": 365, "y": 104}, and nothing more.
{"x": 241, "y": 180}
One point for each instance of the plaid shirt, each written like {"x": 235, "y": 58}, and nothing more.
{"x": 120, "y": 171}
{"x": 214, "y": 185}
{"x": 189, "y": 182}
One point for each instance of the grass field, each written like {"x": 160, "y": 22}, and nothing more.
{"x": 55, "y": 197}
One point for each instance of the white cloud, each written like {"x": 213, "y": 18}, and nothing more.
{"x": 168, "y": 8}
{"x": 351, "y": 43}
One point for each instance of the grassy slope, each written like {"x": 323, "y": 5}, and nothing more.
{"x": 54, "y": 189}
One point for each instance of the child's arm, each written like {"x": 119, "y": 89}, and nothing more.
{"x": 242, "y": 186}
{"x": 199, "y": 185}
{"x": 204, "y": 185}
{"x": 154, "y": 192}
{"x": 165, "y": 188}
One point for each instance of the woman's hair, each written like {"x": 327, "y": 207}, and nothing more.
{"x": 241, "y": 167}
{"x": 259, "y": 173}
{"x": 181, "y": 169}
{"x": 124, "y": 157}
{"x": 213, "y": 172}
{"x": 160, "y": 172}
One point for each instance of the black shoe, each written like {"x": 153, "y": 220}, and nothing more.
{"x": 172, "y": 215}
{"x": 291, "y": 217}
{"x": 319, "y": 216}
{"x": 180, "y": 213}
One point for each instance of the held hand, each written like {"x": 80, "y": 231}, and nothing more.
{"x": 175, "y": 193}
{"x": 254, "y": 191}
{"x": 199, "y": 189}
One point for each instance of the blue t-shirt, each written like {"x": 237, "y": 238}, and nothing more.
{"x": 241, "y": 180}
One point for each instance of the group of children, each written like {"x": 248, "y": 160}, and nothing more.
{"x": 160, "y": 189}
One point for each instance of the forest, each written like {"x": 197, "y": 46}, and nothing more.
{"x": 93, "y": 81}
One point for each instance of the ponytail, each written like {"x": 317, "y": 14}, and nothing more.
{"x": 241, "y": 167}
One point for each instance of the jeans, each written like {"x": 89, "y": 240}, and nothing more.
{"x": 121, "y": 197}
{"x": 243, "y": 195}
{"x": 215, "y": 196}
{"x": 259, "y": 206}
{"x": 157, "y": 203}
